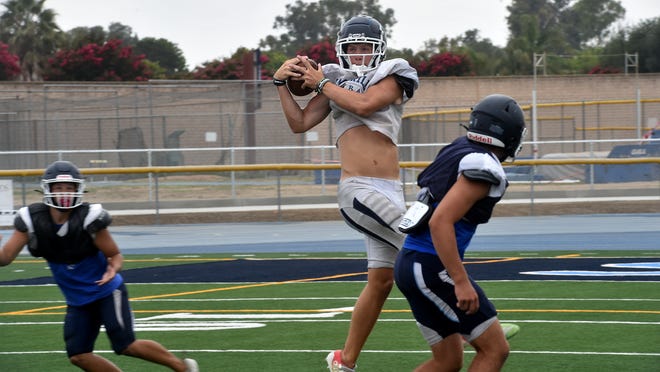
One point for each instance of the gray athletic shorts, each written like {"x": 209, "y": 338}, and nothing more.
{"x": 374, "y": 207}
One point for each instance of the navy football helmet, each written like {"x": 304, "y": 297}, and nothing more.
{"x": 62, "y": 172}
{"x": 498, "y": 120}
{"x": 361, "y": 29}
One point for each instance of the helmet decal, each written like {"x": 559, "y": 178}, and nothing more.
{"x": 498, "y": 120}
{"x": 482, "y": 138}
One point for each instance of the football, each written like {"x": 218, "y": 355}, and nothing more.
{"x": 295, "y": 85}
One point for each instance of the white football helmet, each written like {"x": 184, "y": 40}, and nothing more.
{"x": 361, "y": 29}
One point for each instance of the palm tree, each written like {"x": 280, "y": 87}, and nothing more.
{"x": 31, "y": 33}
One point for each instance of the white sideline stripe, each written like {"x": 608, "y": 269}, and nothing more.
{"x": 574, "y": 200}
{"x": 530, "y": 280}
{"x": 128, "y": 212}
{"x": 280, "y": 320}
{"x": 613, "y": 353}
{"x": 573, "y": 299}
{"x": 578, "y": 322}
{"x": 336, "y": 298}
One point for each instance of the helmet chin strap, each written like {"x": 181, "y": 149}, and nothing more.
{"x": 360, "y": 70}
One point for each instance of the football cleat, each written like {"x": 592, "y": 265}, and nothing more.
{"x": 510, "y": 329}
{"x": 335, "y": 363}
{"x": 191, "y": 365}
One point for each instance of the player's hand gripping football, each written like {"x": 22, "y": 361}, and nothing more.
{"x": 311, "y": 73}
{"x": 301, "y": 74}
{"x": 289, "y": 69}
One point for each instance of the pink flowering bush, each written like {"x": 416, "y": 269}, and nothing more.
{"x": 9, "y": 63}
{"x": 232, "y": 68}
{"x": 445, "y": 64}
{"x": 322, "y": 52}
{"x": 108, "y": 62}
{"x": 604, "y": 70}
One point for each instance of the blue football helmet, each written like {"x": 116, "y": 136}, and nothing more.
{"x": 497, "y": 120}
{"x": 62, "y": 172}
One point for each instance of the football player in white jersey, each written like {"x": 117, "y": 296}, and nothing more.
{"x": 365, "y": 95}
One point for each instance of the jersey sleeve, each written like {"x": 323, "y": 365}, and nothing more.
{"x": 22, "y": 221}
{"x": 97, "y": 219}
{"x": 401, "y": 69}
{"x": 485, "y": 168}
{"x": 407, "y": 84}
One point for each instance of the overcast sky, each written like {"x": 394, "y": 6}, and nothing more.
{"x": 210, "y": 29}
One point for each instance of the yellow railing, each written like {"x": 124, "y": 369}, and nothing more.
{"x": 540, "y": 105}
{"x": 291, "y": 166}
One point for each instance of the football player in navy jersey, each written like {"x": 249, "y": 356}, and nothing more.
{"x": 460, "y": 189}
{"x": 365, "y": 95}
{"x": 72, "y": 236}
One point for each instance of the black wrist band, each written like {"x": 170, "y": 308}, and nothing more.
{"x": 321, "y": 84}
{"x": 279, "y": 82}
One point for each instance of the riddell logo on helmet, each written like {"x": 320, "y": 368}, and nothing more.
{"x": 480, "y": 138}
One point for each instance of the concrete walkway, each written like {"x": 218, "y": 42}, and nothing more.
{"x": 572, "y": 232}
{"x": 587, "y": 232}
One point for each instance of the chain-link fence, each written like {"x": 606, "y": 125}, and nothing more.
{"x": 180, "y": 115}
{"x": 165, "y": 123}
{"x": 152, "y": 116}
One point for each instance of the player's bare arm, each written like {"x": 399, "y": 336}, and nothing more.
{"x": 106, "y": 244}
{"x": 381, "y": 94}
{"x": 13, "y": 247}
{"x": 299, "y": 119}
{"x": 453, "y": 206}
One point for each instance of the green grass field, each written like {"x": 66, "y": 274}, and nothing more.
{"x": 291, "y": 326}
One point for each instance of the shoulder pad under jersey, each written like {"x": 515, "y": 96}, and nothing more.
{"x": 97, "y": 219}
{"x": 23, "y": 221}
{"x": 481, "y": 175}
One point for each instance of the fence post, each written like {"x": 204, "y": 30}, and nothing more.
{"x": 157, "y": 205}
{"x": 279, "y": 196}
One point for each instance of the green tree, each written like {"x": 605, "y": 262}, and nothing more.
{"x": 642, "y": 39}
{"x": 556, "y": 27}
{"x": 486, "y": 58}
{"x": 167, "y": 54}
{"x": 405, "y": 53}
{"x": 273, "y": 60}
{"x": 31, "y": 33}
{"x": 588, "y": 21}
{"x": 535, "y": 26}
{"x": 645, "y": 40}
{"x": 81, "y": 36}
{"x": 118, "y": 31}
{"x": 157, "y": 72}
{"x": 307, "y": 24}
{"x": 480, "y": 55}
